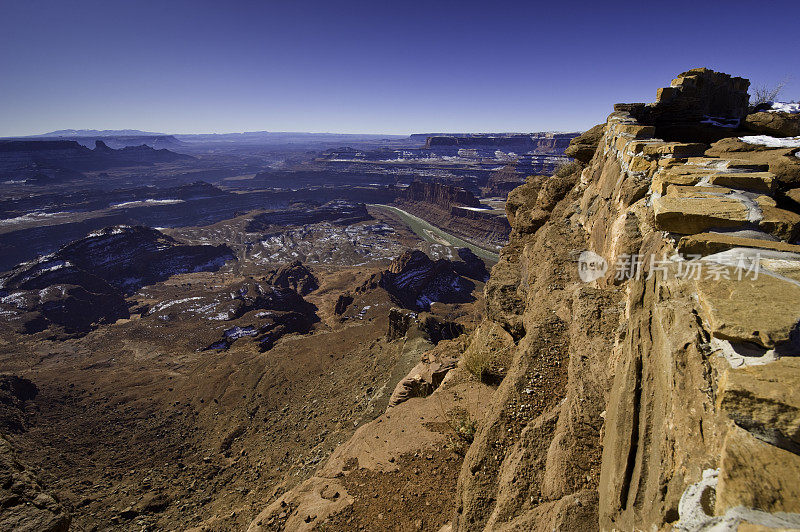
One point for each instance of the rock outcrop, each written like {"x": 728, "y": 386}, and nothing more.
{"x": 16, "y": 394}
{"x": 295, "y": 276}
{"x": 457, "y": 211}
{"x": 248, "y": 309}
{"x": 415, "y": 281}
{"x": 777, "y": 124}
{"x": 625, "y": 390}
{"x": 636, "y": 389}
{"x": 439, "y": 194}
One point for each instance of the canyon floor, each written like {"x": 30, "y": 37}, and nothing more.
{"x": 138, "y": 425}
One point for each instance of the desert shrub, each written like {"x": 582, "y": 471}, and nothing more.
{"x": 478, "y": 361}
{"x": 464, "y": 428}
{"x": 565, "y": 169}
{"x": 766, "y": 93}
{"x": 488, "y": 363}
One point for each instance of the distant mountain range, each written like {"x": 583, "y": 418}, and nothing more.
{"x": 98, "y": 133}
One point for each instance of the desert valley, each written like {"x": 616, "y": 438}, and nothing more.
{"x": 266, "y": 332}
{"x": 436, "y": 267}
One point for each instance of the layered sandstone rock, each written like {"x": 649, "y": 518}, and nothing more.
{"x": 638, "y": 408}
{"x": 458, "y": 211}
{"x": 646, "y": 396}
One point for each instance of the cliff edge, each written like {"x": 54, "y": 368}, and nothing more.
{"x": 636, "y": 366}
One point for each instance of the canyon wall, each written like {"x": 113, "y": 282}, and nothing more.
{"x": 638, "y": 347}
{"x": 649, "y": 397}
{"x": 457, "y": 211}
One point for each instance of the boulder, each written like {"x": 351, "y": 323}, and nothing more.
{"x": 583, "y": 147}
{"x": 781, "y": 161}
{"x": 780, "y": 223}
{"x": 774, "y": 124}
{"x": 728, "y": 308}
{"x": 755, "y": 474}
{"x": 426, "y": 376}
{"x": 755, "y": 181}
{"x": 690, "y": 215}
{"x": 690, "y": 210}
{"x": 765, "y": 399}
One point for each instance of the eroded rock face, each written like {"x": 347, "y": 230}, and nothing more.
{"x": 765, "y": 400}
{"x": 416, "y": 281}
{"x": 583, "y": 147}
{"x": 439, "y": 194}
{"x": 294, "y": 276}
{"x": 613, "y": 395}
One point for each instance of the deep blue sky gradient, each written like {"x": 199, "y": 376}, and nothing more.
{"x": 369, "y": 67}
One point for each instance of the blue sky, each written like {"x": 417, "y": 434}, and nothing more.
{"x": 369, "y": 67}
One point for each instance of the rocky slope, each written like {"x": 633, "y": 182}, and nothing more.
{"x": 644, "y": 318}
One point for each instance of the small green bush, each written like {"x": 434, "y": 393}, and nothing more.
{"x": 569, "y": 168}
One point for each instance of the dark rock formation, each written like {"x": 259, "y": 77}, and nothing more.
{"x": 415, "y": 281}
{"x": 339, "y": 212}
{"x": 400, "y": 321}
{"x": 15, "y": 393}
{"x": 295, "y": 276}
{"x": 259, "y": 310}
{"x": 30, "y": 159}
{"x": 344, "y": 301}
{"x": 85, "y": 282}
{"x": 125, "y": 257}
{"x": 700, "y": 105}
{"x": 471, "y": 265}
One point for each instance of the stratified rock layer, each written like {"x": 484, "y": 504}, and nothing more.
{"x": 646, "y": 390}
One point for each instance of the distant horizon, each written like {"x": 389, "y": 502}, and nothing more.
{"x": 351, "y": 67}
{"x": 132, "y": 132}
